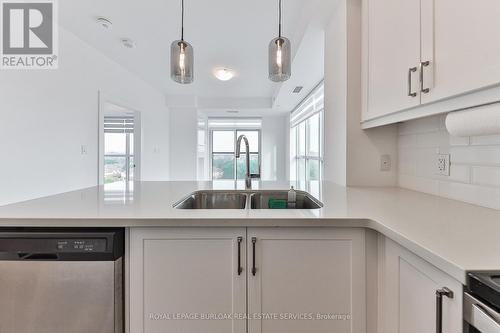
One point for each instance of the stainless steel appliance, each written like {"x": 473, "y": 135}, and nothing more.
{"x": 482, "y": 303}
{"x": 61, "y": 280}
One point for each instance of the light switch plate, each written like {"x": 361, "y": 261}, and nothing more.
{"x": 443, "y": 164}
{"x": 385, "y": 162}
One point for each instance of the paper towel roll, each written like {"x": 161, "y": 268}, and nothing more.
{"x": 484, "y": 120}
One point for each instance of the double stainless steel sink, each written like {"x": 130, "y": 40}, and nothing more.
{"x": 220, "y": 199}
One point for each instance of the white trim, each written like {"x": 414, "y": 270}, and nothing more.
{"x": 456, "y": 103}
{"x": 234, "y": 123}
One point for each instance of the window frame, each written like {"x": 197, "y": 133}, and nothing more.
{"x": 306, "y": 157}
{"x": 235, "y": 138}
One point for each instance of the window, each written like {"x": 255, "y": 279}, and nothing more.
{"x": 223, "y": 137}
{"x": 202, "y": 167}
{"x": 118, "y": 148}
{"x": 306, "y": 138}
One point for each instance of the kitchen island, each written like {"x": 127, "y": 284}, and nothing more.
{"x": 366, "y": 254}
{"x": 454, "y": 236}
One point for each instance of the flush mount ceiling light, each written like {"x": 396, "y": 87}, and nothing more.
{"x": 223, "y": 74}
{"x": 280, "y": 65}
{"x": 181, "y": 57}
{"x": 104, "y": 22}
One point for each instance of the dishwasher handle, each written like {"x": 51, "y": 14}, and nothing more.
{"x": 483, "y": 321}
{"x": 479, "y": 315}
{"x": 38, "y": 256}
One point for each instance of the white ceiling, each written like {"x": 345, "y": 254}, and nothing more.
{"x": 229, "y": 33}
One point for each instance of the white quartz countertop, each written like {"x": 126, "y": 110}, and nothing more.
{"x": 454, "y": 236}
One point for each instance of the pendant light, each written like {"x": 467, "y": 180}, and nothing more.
{"x": 181, "y": 57}
{"x": 280, "y": 65}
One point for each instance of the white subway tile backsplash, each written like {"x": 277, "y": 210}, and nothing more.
{"x": 458, "y": 140}
{"x": 432, "y": 139}
{"x": 422, "y": 125}
{"x": 407, "y": 140}
{"x": 487, "y": 176}
{"x": 420, "y": 184}
{"x": 479, "y": 155}
{"x": 475, "y": 162}
{"x": 478, "y": 195}
{"x": 458, "y": 173}
{"x": 485, "y": 140}
{"x": 427, "y": 162}
{"x": 407, "y": 162}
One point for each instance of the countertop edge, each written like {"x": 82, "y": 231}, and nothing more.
{"x": 450, "y": 268}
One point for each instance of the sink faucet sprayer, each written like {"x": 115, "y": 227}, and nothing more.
{"x": 249, "y": 176}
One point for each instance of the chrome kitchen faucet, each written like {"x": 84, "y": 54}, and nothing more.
{"x": 249, "y": 176}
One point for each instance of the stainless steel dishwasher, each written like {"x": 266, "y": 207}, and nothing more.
{"x": 61, "y": 280}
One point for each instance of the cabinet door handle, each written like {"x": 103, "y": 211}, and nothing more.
{"x": 439, "y": 307}
{"x": 254, "y": 269}
{"x": 240, "y": 269}
{"x": 410, "y": 90}
{"x": 423, "y": 64}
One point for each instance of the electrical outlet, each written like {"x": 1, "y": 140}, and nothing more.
{"x": 385, "y": 163}
{"x": 83, "y": 149}
{"x": 443, "y": 164}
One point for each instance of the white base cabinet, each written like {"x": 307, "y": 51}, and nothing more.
{"x": 407, "y": 293}
{"x": 318, "y": 274}
{"x": 282, "y": 280}
{"x": 176, "y": 274}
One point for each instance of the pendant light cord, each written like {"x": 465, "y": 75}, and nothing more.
{"x": 182, "y": 20}
{"x": 279, "y": 18}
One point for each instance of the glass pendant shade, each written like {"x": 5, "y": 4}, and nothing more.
{"x": 280, "y": 62}
{"x": 181, "y": 62}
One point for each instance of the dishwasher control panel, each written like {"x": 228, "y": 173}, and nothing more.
{"x": 62, "y": 244}
{"x": 80, "y": 245}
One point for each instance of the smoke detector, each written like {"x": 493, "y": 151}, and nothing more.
{"x": 104, "y": 22}
{"x": 128, "y": 43}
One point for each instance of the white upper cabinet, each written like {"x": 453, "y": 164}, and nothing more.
{"x": 461, "y": 42}
{"x": 394, "y": 56}
{"x": 423, "y": 57}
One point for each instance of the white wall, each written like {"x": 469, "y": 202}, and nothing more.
{"x": 46, "y": 116}
{"x": 183, "y": 143}
{"x": 475, "y": 162}
{"x": 352, "y": 156}
{"x": 335, "y": 117}
{"x": 275, "y": 149}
